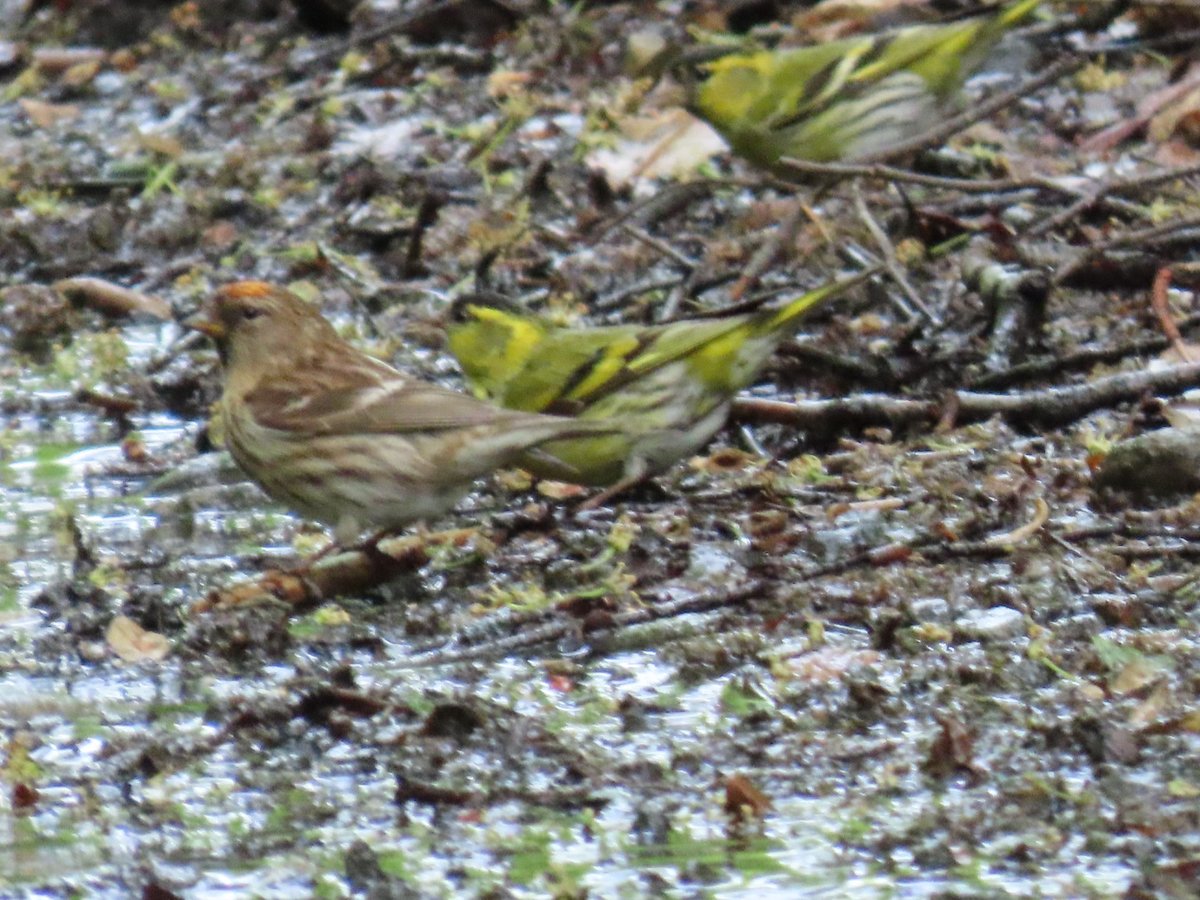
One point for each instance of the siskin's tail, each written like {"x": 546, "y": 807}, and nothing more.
{"x": 786, "y": 316}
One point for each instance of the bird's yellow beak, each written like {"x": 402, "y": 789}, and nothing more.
{"x": 202, "y": 323}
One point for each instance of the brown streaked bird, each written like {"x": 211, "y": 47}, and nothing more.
{"x": 346, "y": 439}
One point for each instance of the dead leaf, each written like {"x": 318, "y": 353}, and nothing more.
{"x": 133, "y": 448}
{"x": 1175, "y": 153}
{"x": 503, "y": 82}
{"x": 564, "y": 684}
{"x": 945, "y": 531}
{"x": 81, "y": 73}
{"x": 24, "y": 797}
{"x": 728, "y": 459}
{"x": 162, "y": 144}
{"x": 1134, "y": 676}
{"x": 743, "y": 800}
{"x": 831, "y": 663}
{"x": 133, "y": 643}
{"x": 890, "y": 554}
{"x": 668, "y": 144}
{"x": 220, "y": 234}
{"x": 44, "y": 115}
{"x": 1177, "y": 120}
{"x": 123, "y": 60}
{"x": 1152, "y": 708}
{"x": 1148, "y": 108}
{"x": 952, "y": 750}
{"x": 560, "y": 490}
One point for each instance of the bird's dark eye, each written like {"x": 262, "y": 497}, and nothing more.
{"x": 252, "y": 312}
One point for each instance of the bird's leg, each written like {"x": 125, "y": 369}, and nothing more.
{"x": 609, "y": 492}
{"x": 343, "y": 541}
{"x": 330, "y": 548}
{"x": 344, "y": 533}
{"x": 403, "y": 547}
{"x": 636, "y": 471}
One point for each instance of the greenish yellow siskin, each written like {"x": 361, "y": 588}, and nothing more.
{"x": 669, "y": 387}
{"x": 846, "y": 100}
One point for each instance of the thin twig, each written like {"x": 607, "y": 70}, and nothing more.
{"x": 661, "y": 246}
{"x": 1050, "y": 406}
{"x": 889, "y": 260}
{"x": 1083, "y": 357}
{"x": 1140, "y": 238}
{"x": 766, "y": 253}
{"x": 1158, "y": 302}
{"x": 676, "y": 194}
{"x": 664, "y": 606}
{"x": 893, "y": 173}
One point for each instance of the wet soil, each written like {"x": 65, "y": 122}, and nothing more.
{"x": 912, "y": 648}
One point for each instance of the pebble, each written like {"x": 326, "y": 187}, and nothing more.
{"x": 997, "y": 623}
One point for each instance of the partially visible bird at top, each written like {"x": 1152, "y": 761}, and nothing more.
{"x": 846, "y": 100}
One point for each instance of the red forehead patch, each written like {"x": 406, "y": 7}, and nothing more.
{"x": 247, "y": 289}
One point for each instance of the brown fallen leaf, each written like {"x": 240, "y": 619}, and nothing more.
{"x": 82, "y": 73}
{"x": 889, "y": 554}
{"x": 162, "y": 144}
{"x": 560, "y": 490}
{"x": 728, "y": 459}
{"x": 1135, "y": 676}
{"x": 504, "y": 82}
{"x": 44, "y": 115}
{"x": 1148, "y": 107}
{"x": 133, "y": 643}
{"x": 952, "y": 750}
{"x": 1177, "y": 120}
{"x": 831, "y": 663}
{"x": 1153, "y": 708}
{"x": 743, "y": 800}
{"x": 669, "y": 143}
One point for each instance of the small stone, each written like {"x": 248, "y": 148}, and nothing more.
{"x": 1162, "y": 463}
{"x": 997, "y": 623}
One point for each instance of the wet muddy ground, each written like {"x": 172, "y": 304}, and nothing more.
{"x": 909, "y": 644}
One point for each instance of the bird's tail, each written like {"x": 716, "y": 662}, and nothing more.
{"x": 786, "y": 317}
{"x": 969, "y": 46}
{"x": 1015, "y": 13}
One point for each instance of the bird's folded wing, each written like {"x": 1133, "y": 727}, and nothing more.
{"x": 389, "y": 406}
{"x": 655, "y": 349}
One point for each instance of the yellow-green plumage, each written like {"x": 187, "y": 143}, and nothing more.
{"x": 669, "y": 386}
{"x": 849, "y": 99}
